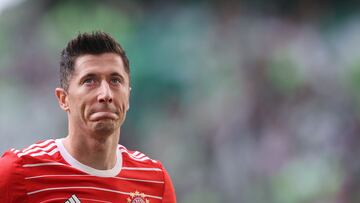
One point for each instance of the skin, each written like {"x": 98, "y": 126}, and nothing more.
{"x": 96, "y": 103}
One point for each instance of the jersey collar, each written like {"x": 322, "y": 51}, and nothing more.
{"x": 87, "y": 169}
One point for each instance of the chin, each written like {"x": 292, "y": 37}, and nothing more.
{"x": 106, "y": 128}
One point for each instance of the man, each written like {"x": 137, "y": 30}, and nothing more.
{"x": 88, "y": 165}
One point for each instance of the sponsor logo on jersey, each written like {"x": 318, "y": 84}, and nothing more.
{"x": 73, "y": 199}
{"x": 137, "y": 197}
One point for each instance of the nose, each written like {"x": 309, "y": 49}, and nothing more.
{"x": 105, "y": 94}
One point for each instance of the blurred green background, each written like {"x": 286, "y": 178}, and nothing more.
{"x": 242, "y": 101}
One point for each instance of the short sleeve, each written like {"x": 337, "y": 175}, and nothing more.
{"x": 9, "y": 179}
{"x": 169, "y": 195}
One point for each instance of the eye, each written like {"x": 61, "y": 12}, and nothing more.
{"x": 88, "y": 81}
{"x": 116, "y": 81}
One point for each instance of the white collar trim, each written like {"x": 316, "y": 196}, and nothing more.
{"x": 87, "y": 169}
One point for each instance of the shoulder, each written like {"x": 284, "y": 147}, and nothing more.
{"x": 139, "y": 166}
{"x": 13, "y": 170}
{"x": 39, "y": 150}
{"x": 9, "y": 162}
{"x": 13, "y": 161}
{"x": 10, "y": 176}
{"x": 137, "y": 163}
{"x": 136, "y": 158}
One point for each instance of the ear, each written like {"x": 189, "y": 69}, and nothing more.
{"x": 61, "y": 95}
{"x": 128, "y": 106}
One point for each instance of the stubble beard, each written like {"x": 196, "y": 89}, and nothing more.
{"x": 105, "y": 127}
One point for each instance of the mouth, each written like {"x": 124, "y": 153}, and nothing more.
{"x": 103, "y": 115}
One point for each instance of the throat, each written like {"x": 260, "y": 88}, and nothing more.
{"x": 101, "y": 159}
{"x": 100, "y": 154}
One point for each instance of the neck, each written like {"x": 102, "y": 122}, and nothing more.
{"x": 94, "y": 150}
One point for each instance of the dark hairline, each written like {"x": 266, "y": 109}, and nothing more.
{"x": 95, "y": 43}
{"x": 113, "y": 73}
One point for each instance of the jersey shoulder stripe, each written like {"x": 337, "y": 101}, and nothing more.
{"x": 47, "y": 147}
{"x": 135, "y": 155}
{"x": 39, "y": 144}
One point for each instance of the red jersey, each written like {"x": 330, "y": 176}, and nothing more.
{"x": 46, "y": 172}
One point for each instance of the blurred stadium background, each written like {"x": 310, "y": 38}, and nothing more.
{"x": 243, "y": 101}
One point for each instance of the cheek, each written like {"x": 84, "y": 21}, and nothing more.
{"x": 78, "y": 106}
{"x": 123, "y": 99}
{"x": 124, "y": 93}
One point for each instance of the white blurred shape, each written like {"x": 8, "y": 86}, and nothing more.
{"x": 5, "y": 4}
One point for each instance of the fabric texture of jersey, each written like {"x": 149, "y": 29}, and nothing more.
{"x": 46, "y": 172}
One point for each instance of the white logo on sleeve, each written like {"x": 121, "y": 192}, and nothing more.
{"x": 73, "y": 199}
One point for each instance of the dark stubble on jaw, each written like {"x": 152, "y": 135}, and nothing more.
{"x": 105, "y": 128}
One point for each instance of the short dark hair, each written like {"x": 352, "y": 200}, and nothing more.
{"x": 88, "y": 43}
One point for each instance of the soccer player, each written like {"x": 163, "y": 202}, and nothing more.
{"x": 88, "y": 165}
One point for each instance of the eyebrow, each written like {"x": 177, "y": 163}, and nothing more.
{"x": 91, "y": 75}
{"x": 115, "y": 74}
{"x": 88, "y": 75}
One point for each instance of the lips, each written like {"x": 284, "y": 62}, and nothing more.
{"x": 103, "y": 114}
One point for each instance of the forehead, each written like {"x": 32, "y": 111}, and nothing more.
{"x": 106, "y": 63}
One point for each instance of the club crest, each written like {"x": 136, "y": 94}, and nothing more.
{"x": 137, "y": 197}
